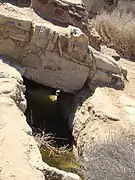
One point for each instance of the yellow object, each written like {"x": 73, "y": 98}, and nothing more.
{"x": 53, "y": 98}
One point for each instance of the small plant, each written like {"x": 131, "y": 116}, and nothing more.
{"x": 117, "y": 30}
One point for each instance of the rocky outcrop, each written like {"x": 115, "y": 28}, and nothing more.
{"x": 94, "y": 6}
{"x": 110, "y": 52}
{"x": 65, "y": 13}
{"x": 11, "y": 85}
{"x": 104, "y": 129}
{"x": 19, "y": 155}
{"x": 61, "y": 57}
{"x": 56, "y": 56}
{"x": 106, "y": 73}
{"x": 17, "y": 144}
{"x": 47, "y": 52}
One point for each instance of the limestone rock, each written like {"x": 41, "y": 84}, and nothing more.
{"x": 105, "y": 62}
{"x": 15, "y": 149}
{"x": 19, "y": 155}
{"x": 67, "y": 13}
{"x": 95, "y": 39}
{"x": 49, "y": 57}
{"x": 53, "y": 173}
{"x": 110, "y": 52}
{"x": 53, "y": 55}
{"x": 11, "y": 84}
{"x": 61, "y": 74}
{"x": 104, "y": 129}
{"x": 107, "y": 70}
{"x": 93, "y": 6}
{"x": 10, "y": 46}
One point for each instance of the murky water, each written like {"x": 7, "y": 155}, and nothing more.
{"x": 44, "y": 115}
{"x": 61, "y": 159}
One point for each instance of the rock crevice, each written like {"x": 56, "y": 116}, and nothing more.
{"x": 20, "y": 157}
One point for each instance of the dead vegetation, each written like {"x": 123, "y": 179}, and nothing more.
{"x": 61, "y": 158}
{"x": 117, "y": 30}
{"x": 47, "y": 141}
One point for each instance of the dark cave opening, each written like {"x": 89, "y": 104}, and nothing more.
{"x": 49, "y": 116}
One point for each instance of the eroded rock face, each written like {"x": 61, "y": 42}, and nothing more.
{"x": 64, "y": 13}
{"x": 11, "y": 85}
{"x": 50, "y": 54}
{"x": 62, "y": 58}
{"x": 56, "y": 56}
{"x": 17, "y": 144}
{"x": 20, "y": 158}
{"x": 93, "y": 6}
{"x": 104, "y": 129}
{"x": 107, "y": 70}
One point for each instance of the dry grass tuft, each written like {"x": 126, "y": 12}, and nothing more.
{"x": 117, "y": 30}
{"x": 47, "y": 141}
{"x": 61, "y": 158}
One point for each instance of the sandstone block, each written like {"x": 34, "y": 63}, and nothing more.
{"x": 61, "y": 73}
